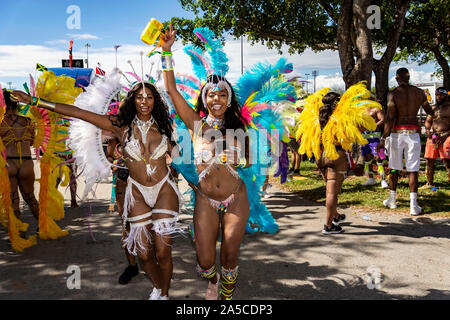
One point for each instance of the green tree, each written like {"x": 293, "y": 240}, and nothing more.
{"x": 426, "y": 37}
{"x": 325, "y": 24}
{"x": 274, "y": 23}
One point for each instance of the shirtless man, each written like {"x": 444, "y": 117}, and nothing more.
{"x": 17, "y": 133}
{"x": 402, "y": 128}
{"x": 438, "y": 133}
{"x": 369, "y": 151}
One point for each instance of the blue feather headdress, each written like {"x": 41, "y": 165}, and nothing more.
{"x": 257, "y": 89}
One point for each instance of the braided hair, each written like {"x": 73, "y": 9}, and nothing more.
{"x": 11, "y": 103}
{"x": 330, "y": 101}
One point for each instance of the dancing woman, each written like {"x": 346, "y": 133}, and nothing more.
{"x": 152, "y": 198}
{"x": 333, "y": 172}
{"x": 330, "y": 125}
{"x": 221, "y": 195}
{"x": 17, "y": 134}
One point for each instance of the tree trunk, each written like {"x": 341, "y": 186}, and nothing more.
{"x": 381, "y": 67}
{"x": 382, "y": 82}
{"x": 345, "y": 46}
{"x": 354, "y": 35}
{"x": 363, "y": 42}
{"x": 443, "y": 63}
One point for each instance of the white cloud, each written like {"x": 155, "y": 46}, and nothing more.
{"x": 327, "y": 81}
{"x": 303, "y": 63}
{"x": 84, "y": 36}
{"x": 416, "y": 76}
{"x": 56, "y": 42}
{"x": 17, "y": 61}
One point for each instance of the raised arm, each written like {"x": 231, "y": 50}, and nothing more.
{"x": 185, "y": 112}
{"x": 98, "y": 120}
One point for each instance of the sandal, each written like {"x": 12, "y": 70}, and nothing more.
{"x": 212, "y": 291}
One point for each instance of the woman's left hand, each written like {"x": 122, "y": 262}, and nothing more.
{"x": 21, "y": 96}
{"x": 168, "y": 39}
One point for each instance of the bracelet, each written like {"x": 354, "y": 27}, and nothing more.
{"x": 242, "y": 163}
{"x": 47, "y": 105}
{"x": 166, "y": 53}
{"x": 166, "y": 63}
{"x": 34, "y": 101}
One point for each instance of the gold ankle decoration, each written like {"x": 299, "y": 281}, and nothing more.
{"x": 229, "y": 277}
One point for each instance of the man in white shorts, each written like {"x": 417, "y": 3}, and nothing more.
{"x": 403, "y": 130}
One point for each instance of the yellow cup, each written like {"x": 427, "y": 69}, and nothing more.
{"x": 151, "y": 32}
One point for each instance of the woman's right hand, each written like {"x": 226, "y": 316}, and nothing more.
{"x": 168, "y": 39}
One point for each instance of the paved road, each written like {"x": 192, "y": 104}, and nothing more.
{"x": 409, "y": 257}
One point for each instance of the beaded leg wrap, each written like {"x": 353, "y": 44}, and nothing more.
{"x": 229, "y": 277}
{"x": 15, "y": 199}
{"x": 32, "y": 203}
{"x": 207, "y": 273}
{"x": 367, "y": 167}
{"x": 381, "y": 171}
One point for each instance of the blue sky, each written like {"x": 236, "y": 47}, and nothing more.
{"x": 36, "y": 31}
{"x": 34, "y": 22}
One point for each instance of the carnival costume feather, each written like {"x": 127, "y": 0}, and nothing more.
{"x": 256, "y": 91}
{"x": 343, "y": 127}
{"x": 85, "y": 138}
{"x": 51, "y": 202}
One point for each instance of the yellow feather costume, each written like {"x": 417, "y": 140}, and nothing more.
{"x": 51, "y": 202}
{"x": 7, "y": 217}
{"x": 344, "y": 126}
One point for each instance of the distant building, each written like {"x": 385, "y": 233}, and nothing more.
{"x": 430, "y": 89}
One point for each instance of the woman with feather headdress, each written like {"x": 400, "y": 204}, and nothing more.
{"x": 152, "y": 200}
{"x": 330, "y": 125}
{"x": 229, "y": 129}
{"x": 16, "y": 170}
{"x": 221, "y": 196}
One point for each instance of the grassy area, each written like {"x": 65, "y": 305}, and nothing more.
{"x": 311, "y": 186}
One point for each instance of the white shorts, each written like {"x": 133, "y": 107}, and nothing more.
{"x": 407, "y": 146}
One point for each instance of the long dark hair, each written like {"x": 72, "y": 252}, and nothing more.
{"x": 233, "y": 116}
{"x": 10, "y": 103}
{"x": 329, "y": 104}
{"x": 160, "y": 112}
